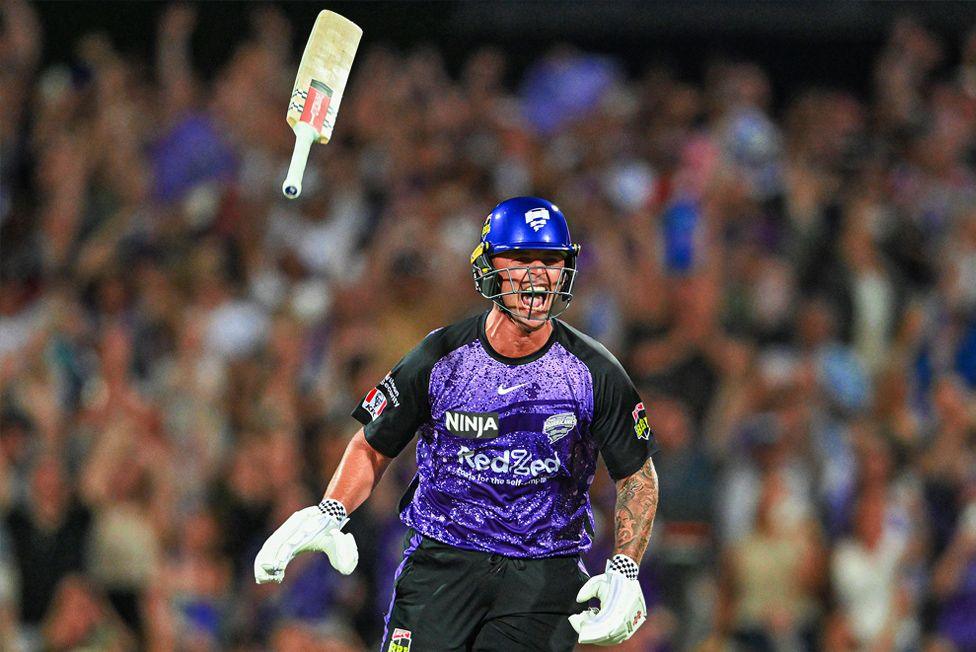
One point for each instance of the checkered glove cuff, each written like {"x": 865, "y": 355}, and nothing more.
{"x": 333, "y": 508}
{"x": 625, "y": 566}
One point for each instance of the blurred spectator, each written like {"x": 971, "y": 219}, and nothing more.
{"x": 954, "y": 581}
{"x": 124, "y": 544}
{"x": 868, "y": 574}
{"x": 49, "y": 538}
{"x": 327, "y": 637}
{"x": 190, "y": 601}
{"x": 79, "y": 617}
{"x": 772, "y": 578}
{"x": 683, "y": 557}
{"x": 766, "y": 449}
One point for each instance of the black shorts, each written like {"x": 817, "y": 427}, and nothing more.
{"x": 446, "y": 598}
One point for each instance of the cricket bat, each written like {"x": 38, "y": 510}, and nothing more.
{"x": 315, "y": 98}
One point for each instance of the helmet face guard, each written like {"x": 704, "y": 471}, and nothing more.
{"x": 544, "y": 302}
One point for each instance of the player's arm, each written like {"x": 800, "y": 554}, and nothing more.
{"x": 319, "y": 528}
{"x": 634, "y": 515}
{"x": 390, "y": 413}
{"x": 359, "y": 471}
{"x": 622, "y": 608}
{"x": 626, "y": 444}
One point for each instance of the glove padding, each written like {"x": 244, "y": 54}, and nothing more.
{"x": 622, "y": 608}
{"x": 305, "y": 530}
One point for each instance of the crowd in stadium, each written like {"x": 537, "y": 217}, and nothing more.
{"x": 791, "y": 282}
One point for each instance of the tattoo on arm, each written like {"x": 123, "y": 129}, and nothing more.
{"x": 636, "y": 506}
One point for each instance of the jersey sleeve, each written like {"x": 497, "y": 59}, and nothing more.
{"x": 392, "y": 411}
{"x": 619, "y": 422}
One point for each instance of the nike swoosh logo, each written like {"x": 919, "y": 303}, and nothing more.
{"x": 505, "y": 390}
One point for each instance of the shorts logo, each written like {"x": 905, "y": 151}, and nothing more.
{"x": 537, "y": 218}
{"x": 641, "y": 428}
{"x": 399, "y": 641}
{"x": 558, "y": 426}
{"x": 472, "y": 425}
{"x": 375, "y": 402}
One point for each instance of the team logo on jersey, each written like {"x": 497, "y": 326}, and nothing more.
{"x": 558, "y": 426}
{"x": 375, "y": 402}
{"x": 641, "y": 428}
{"x": 400, "y": 640}
{"x": 537, "y": 218}
{"x": 472, "y": 425}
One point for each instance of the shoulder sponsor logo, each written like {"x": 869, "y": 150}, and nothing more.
{"x": 641, "y": 427}
{"x": 502, "y": 390}
{"x": 375, "y": 402}
{"x": 472, "y": 425}
{"x": 400, "y": 640}
{"x": 537, "y": 218}
{"x": 391, "y": 389}
{"x": 558, "y": 426}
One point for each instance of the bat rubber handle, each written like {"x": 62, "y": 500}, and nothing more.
{"x": 305, "y": 135}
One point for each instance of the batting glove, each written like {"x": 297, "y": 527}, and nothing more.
{"x": 622, "y": 609}
{"x": 317, "y": 528}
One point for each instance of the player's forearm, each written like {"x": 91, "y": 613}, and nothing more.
{"x": 360, "y": 469}
{"x": 636, "y": 506}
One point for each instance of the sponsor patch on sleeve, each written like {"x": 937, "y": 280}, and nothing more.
{"x": 641, "y": 427}
{"x": 391, "y": 390}
{"x": 375, "y": 402}
{"x": 400, "y": 640}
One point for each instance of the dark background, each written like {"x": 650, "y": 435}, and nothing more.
{"x": 799, "y": 43}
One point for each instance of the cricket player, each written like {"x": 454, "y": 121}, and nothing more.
{"x": 510, "y": 409}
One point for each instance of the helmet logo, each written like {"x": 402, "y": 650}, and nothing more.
{"x": 537, "y": 218}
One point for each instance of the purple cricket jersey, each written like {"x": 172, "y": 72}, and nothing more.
{"x": 507, "y": 447}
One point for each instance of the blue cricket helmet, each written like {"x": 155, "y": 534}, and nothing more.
{"x": 518, "y": 224}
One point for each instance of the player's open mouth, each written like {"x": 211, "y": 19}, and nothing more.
{"x": 534, "y": 300}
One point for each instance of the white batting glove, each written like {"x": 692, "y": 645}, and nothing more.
{"x": 315, "y": 528}
{"x": 622, "y": 609}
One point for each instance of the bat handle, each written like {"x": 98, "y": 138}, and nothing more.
{"x": 305, "y": 135}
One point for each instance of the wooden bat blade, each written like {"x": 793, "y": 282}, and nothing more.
{"x": 317, "y": 93}
{"x": 323, "y": 73}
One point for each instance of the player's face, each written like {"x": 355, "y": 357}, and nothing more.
{"x": 527, "y": 276}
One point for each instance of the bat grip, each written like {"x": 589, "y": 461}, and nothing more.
{"x": 305, "y": 135}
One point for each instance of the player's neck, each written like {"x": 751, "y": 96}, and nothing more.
{"x": 510, "y": 338}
